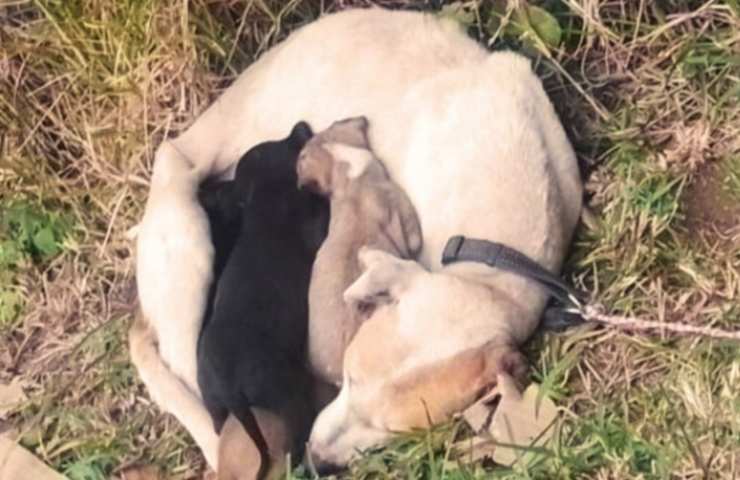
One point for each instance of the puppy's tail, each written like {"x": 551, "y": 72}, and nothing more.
{"x": 169, "y": 392}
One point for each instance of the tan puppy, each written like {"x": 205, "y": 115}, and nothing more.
{"x": 367, "y": 209}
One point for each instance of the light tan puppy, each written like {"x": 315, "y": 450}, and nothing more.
{"x": 367, "y": 209}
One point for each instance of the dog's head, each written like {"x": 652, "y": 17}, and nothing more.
{"x": 341, "y": 151}
{"x": 433, "y": 345}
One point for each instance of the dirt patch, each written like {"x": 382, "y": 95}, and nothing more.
{"x": 710, "y": 210}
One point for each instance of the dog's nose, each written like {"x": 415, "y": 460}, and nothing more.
{"x": 327, "y": 468}
{"x": 320, "y": 465}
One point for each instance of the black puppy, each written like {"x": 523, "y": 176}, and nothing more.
{"x": 251, "y": 355}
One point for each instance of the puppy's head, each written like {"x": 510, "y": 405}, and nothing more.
{"x": 340, "y": 151}
{"x": 431, "y": 347}
{"x": 272, "y": 161}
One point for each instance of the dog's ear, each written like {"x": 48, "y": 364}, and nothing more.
{"x": 403, "y": 228}
{"x": 351, "y": 131}
{"x": 300, "y": 134}
{"x": 383, "y": 279}
{"x": 452, "y": 384}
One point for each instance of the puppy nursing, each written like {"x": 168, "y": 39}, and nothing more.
{"x": 266, "y": 233}
{"x": 367, "y": 209}
{"x": 252, "y": 349}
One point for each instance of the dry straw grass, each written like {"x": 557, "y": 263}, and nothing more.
{"x": 648, "y": 91}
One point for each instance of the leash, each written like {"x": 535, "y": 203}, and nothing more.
{"x": 573, "y": 309}
{"x": 498, "y": 255}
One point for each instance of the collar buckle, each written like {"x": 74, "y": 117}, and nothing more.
{"x": 452, "y": 249}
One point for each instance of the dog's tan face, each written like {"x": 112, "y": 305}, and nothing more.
{"x": 432, "y": 346}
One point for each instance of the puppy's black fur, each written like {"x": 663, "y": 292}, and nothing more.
{"x": 252, "y": 348}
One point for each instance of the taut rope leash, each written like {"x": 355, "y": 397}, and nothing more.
{"x": 575, "y": 310}
{"x": 594, "y": 313}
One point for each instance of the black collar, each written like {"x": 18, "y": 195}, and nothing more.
{"x": 498, "y": 255}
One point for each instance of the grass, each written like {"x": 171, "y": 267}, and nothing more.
{"x": 647, "y": 90}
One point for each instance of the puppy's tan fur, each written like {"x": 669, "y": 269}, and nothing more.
{"x": 241, "y": 458}
{"x": 367, "y": 209}
{"x": 238, "y": 456}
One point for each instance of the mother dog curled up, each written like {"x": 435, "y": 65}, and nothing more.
{"x": 476, "y": 145}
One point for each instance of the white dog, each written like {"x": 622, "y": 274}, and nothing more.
{"x": 469, "y": 135}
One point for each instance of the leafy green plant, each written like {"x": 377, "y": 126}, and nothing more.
{"x": 533, "y": 26}
{"x": 29, "y": 234}
{"x": 93, "y": 467}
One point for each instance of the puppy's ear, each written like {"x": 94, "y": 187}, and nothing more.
{"x": 300, "y": 134}
{"x": 351, "y": 131}
{"x": 383, "y": 279}
{"x": 404, "y": 229}
{"x": 358, "y": 123}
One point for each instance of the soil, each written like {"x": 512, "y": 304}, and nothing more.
{"x": 709, "y": 208}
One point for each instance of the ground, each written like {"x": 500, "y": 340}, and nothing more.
{"x": 648, "y": 90}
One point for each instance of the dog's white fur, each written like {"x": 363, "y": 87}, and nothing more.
{"x": 174, "y": 261}
{"x": 470, "y": 136}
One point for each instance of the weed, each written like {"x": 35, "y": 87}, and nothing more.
{"x": 30, "y": 235}
{"x": 647, "y": 90}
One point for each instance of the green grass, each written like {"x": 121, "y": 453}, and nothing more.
{"x": 649, "y": 93}
{"x": 732, "y": 176}
{"x": 30, "y": 235}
